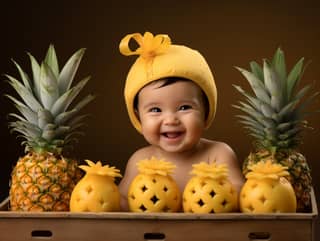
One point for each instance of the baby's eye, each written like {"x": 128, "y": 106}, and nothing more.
{"x": 155, "y": 109}
{"x": 185, "y": 107}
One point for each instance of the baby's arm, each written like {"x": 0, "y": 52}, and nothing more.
{"x": 130, "y": 173}
{"x": 226, "y": 155}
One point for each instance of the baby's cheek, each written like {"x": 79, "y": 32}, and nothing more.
{"x": 198, "y": 128}
{"x": 150, "y": 128}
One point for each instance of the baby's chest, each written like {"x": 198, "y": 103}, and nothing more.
{"x": 182, "y": 175}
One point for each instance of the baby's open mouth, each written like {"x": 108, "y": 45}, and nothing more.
{"x": 172, "y": 135}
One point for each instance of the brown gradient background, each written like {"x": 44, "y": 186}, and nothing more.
{"x": 227, "y": 33}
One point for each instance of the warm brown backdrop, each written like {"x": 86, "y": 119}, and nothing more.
{"x": 228, "y": 33}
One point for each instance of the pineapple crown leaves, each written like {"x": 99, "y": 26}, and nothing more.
{"x": 275, "y": 114}
{"x": 267, "y": 169}
{"x": 212, "y": 170}
{"x": 47, "y": 122}
{"x": 98, "y": 169}
{"x": 154, "y": 166}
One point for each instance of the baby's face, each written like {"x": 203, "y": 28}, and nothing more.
{"x": 172, "y": 116}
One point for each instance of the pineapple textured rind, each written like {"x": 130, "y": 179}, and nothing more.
{"x": 43, "y": 183}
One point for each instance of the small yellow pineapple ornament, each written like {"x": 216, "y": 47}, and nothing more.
{"x": 209, "y": 191}
{"x": 153, "y": 189}
{"x": 267, "y": 190}
{"x": 96, "y": 191}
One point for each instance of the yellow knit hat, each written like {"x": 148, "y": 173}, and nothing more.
{"x": 160, "y": 59}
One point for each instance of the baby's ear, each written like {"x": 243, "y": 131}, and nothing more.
{"x": 136, "y": 112}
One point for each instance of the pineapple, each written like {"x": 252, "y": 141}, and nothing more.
{"x": 96, "y": 191}
{"x": 209, "y": 191}
{"x": 267, "y": 190}
{"x": 275, "y": 117}
{"x": 43, "y": 179}
{"x": 153, "y": 189}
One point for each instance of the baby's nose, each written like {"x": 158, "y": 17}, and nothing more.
{"x": 171, "y": 119}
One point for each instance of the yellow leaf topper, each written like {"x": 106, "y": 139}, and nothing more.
{"x": 98, "y": 169}
{"x": 267, "y": 169}
{"x": 211, "y": 170}
{"x": 155, "y": 166}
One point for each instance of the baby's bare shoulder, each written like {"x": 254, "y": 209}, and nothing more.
{"x": 216, "y": 145}
{"x": 219, "y": 150}
{"x": 142, "y": 153}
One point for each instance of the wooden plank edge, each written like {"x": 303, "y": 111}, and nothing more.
{"x": 160, "y": 216}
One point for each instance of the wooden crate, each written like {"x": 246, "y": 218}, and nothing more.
{"x": 125, "y": 226}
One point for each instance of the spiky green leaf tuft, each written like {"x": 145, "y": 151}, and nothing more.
{"x": 45, "y": 122}
{"x": 276, "y": 122}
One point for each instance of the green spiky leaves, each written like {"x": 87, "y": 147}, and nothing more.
{"x": 275, "y": 114}
{"x": 46, "y": 120}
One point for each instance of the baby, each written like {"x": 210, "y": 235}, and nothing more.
{"x": 171, "y": 99}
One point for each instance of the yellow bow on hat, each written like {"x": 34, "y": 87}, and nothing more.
{"x": 150, "y": 45}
